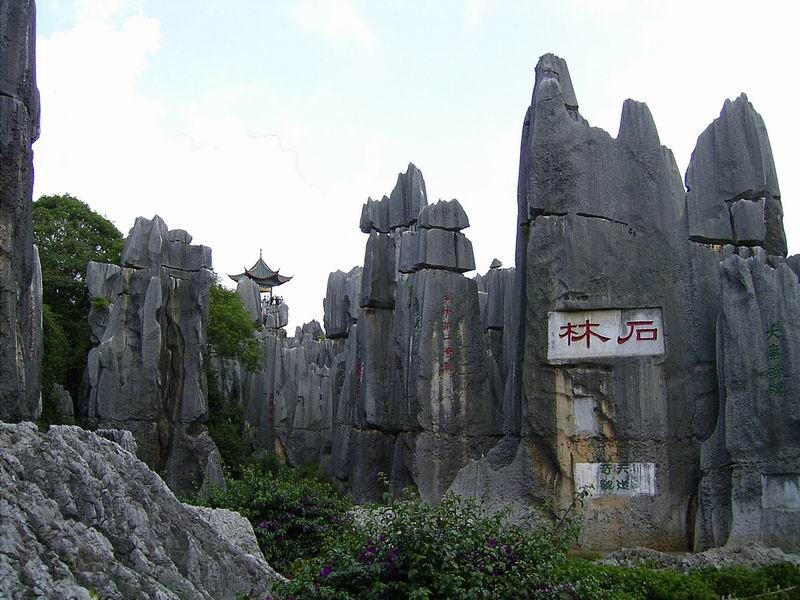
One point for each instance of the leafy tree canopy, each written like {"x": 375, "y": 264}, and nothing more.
{"x": 230, "y": 328}
{"x": 69, "y": 234}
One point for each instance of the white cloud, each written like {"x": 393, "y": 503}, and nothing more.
{"x": 103, "y": 141}
{"x": 338, "y": 20}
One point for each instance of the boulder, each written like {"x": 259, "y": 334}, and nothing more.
{"x": 84, "y": 518}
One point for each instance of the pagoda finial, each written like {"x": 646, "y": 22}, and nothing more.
{"x": 260, "y": 253}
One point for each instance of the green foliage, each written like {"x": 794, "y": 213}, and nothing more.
{"x": 101, "y": 303}
{"x": 453, "y": 550}
{"x": 293, "y": 516}
{"x": 69, "y": 234}
{"x": 226, "y": 426}
{"x": 230, "y": 328}
{"x": 666, "y": 584}
{"x": 54, "y": 364}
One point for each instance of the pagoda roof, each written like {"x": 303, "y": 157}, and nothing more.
{"x": 262, "y": 274}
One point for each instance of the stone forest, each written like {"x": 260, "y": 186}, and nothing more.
{"x": 641, "y": 355}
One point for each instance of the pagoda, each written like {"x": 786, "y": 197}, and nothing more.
{"x": 264, "y": 277}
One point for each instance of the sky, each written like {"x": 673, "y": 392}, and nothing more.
{"x": 266, "y": 124}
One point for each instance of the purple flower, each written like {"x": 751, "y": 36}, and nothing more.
{"x": 325, "y": 571}
{"x": 262, "y": 524}
{"x": 493, "y": 542}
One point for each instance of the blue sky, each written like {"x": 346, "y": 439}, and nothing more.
{"x": 266, "y": 124}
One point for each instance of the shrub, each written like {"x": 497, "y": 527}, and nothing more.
{"x": 453, "y": 550}
{"x": 294, "y": 517}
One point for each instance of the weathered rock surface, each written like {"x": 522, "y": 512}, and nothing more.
{"x": 733, "y": 160}
{"x": 82, "y": 517}
{"x": 20, "y": 272}
{"x": 617, "y": 357}
{"x": 342, "y": 300}
{"x": 62, "y": 401}
{"x": 147, "y": 373}
{"x": 750, "y": 490}
{"x": 248, "y": 291}
{"x": 601, "y": 226}
{"x": 401, "y": 208}
{"x": 379, "y": 277}
{"x": 444, "y": 214}
{"x": 751, "y": 556}
{"x": 431, "y": 248}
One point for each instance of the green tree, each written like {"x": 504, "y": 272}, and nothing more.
{"x": 69, "y": 234}
{"x": 230, "y": 328}
{"x": 230, "y": 337}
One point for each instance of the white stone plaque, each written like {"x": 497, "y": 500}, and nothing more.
{"x": 575, "y": 335}
{"x": 616, "y": 479}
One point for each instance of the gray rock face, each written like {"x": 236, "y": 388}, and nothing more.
{"x": 63, "y": 401}
{"x": 248, "y": 291}
{"x": 20, "y": 273}
{"x": 82, "y": 518}
{"x": 733, "y": 160}
{"x": 342, "y": 301}
{"x": 444, "y": 214}
{"x": 147, "y": 373}
{"x": 435, "y": 249}
{"x": 276, "y": 316}
{"x": 378, "y": 278}
{"x": 601, "y": 226}
{"x": 749, "y": 225}
{"x": 750, "y": 490}
{"x": 401, "y": 208}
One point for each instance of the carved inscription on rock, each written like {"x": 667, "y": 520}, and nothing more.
{"x": 616, "y": 479}
{"x": 604, "y": 333}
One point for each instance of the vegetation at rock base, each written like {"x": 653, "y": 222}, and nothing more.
{"x": 230, "y": 338}
{"x": 226, "y": 425}
{"x": 332, "y": 549}
{"x": 293, "y": 515}
{"x": 68, "y": 234}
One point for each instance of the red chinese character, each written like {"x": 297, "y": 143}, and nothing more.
{"x": 570, "y": 332}
{"x": 447, "y": 366}
{"x": 447, "y": 311}
{"x": 643, "y": 334}
{"x": 446, "y": 325}
{"x": 449, "y": 351}
{"x": 446, "y": 299}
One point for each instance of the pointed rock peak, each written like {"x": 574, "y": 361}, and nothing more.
{"x": 444, "y": 214}
{"x": 732, "y": 161}
{"x": 637, "y": 127}
{"x": 496, "y": 264}
{"x": 551, "y": 66}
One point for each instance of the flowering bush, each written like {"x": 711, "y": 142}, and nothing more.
{"x": 454, "y": 550}
{"x": 294, "y": 516}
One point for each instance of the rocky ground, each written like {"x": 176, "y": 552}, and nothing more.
{"x": 82, "y": 517}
